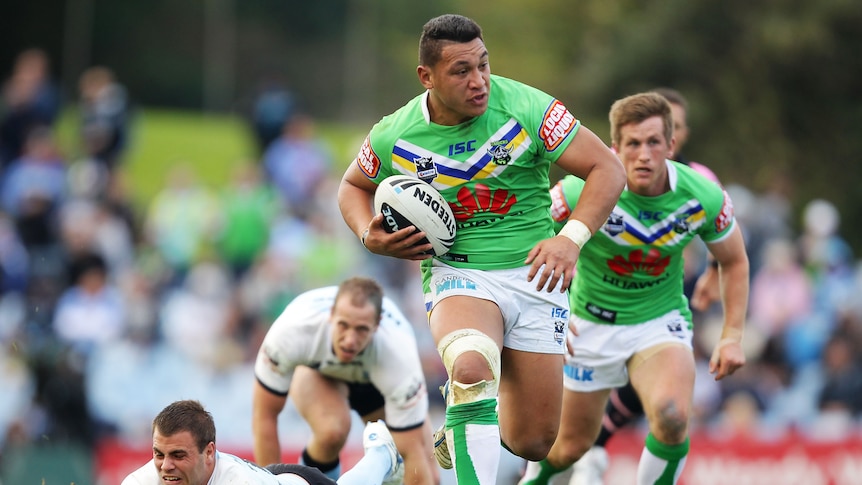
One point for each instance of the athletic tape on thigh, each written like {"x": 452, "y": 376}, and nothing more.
{"x": 456, "y": 343}
{"x": 645, "y": 354}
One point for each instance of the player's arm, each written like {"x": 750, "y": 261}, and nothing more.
{"x": 266, "y": 406}
{"x": 420, "y": 467}
{"x": 733, "y": 270}
{"x": 355, "y": 199}
{"x": 590, "y": 159}
{"x": 706, "y": 289}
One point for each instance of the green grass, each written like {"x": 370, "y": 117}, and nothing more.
{"x": 210, "y": 144}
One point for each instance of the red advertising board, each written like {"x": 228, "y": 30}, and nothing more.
{"x": 789, "y": 460}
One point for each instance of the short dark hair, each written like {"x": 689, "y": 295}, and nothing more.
{"x": 361, "y": 291}
{"x": 638, "y": 108}
{"x": 445, "y": 28}
{"x": 187, "y": 415}
{"x": 674, "y": 96}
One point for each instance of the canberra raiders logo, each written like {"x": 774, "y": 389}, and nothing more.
{"x": 499, "y": 153}
{"x": 681, "y": 226}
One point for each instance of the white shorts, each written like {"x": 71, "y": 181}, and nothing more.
{"x": 601, "y": 351}
{"x": 534, "y": 321}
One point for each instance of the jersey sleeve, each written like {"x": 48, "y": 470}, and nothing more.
{"x": 374, "y": 157}
{"x": 545, "y": 117}
{"x": 279, "y": 355}
{"x": 719, "y": 211}
{"x": 564, "y": 196}
{"x": 398, "y": 375}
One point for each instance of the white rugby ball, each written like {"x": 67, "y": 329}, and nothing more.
{"x": 407, "y": 201}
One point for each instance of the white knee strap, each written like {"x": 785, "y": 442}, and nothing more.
{"x": 456, "y": 343}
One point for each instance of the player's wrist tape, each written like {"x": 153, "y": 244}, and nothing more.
{"x": 577, "y": 231}
{"x": 362, "y": 238}
{"x": 728, "y": 340}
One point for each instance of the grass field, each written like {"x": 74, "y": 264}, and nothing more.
{"x": 210, "y": 144}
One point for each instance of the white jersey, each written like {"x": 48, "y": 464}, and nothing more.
{"x": 229, "y": 470}
{"x": 302, "y": 335}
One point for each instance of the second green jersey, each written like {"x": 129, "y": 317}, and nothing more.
{"x": 631, "y": 271}
{"x": 492, "y": 170}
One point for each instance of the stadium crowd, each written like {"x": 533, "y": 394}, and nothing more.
{"x": 108, "y": 313}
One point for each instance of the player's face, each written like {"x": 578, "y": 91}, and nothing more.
{"x": 178, "y": 460}
{"x": 459, "y": 83}
{"x": 353, "y": 328}
{"x": 643, "y": 149}
{"x": 680, "y": 126}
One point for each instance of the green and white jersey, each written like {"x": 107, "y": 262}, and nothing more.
{"x": 492, "y": 170}
{"x": 631, "y": 270}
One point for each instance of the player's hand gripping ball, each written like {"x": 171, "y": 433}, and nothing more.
{"x": 407, "y": 201}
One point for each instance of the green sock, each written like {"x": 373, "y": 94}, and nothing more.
{"x": 476, "y": 450}
{"x": 546, "y": 472}
{"x": 662, "y": 461}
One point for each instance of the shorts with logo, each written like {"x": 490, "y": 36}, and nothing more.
{"x": 534, "y": 321}
{"x": 601, "y": 351}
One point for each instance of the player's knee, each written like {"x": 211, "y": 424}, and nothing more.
{"x": 476, "y": 375}
{"x": 331, "y": 435}
{"x": 671, "y": 424}
{"x": 532, "y": 447}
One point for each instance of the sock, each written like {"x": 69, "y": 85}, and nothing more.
{"x": 331, "y": 470}
{"x": 623, "y": 407}
{"x": 371, "y": 469}
{"x": 539, "y": 473}
{"x": 473, "y": 436}
{"x": 661, "y": 464}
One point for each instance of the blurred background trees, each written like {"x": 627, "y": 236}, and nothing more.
{"x": 773, "y": 85}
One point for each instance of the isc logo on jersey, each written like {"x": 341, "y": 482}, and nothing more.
{"x": 556, "y": 125}
{"x": 368, "y": 160}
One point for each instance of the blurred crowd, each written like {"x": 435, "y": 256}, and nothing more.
{"x": 108, "y": 312}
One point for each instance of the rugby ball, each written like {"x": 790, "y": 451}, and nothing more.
{"x": 407, "y": 201}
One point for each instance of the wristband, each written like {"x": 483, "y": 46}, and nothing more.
{"x": 577, "y": 231}
{"x": 362, "y": 238}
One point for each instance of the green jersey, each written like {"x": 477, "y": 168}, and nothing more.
{"x": 631, "y": 271}
{"x": 492, "y": 170}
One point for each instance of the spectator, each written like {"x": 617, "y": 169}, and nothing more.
{"x": 842, "y": 389}
{"x": 104, "y": 112}
{"x": 780, "y": 289}
{"x": 34, "y": 187}
{"x": 297, "y": 163}
{"x": 30, "y": 99}
{"x": 249, "y": 208}
{"x": 181, "y": 221}
{"x": 273, "y": 107}
{"x": 91, "y": 312}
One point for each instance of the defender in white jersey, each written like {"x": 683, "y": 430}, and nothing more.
{"x": 184, "y": 453}
{"x": 335, "y": 349}
{"x": 496, "y": 300}
{"x": 631, "y": 316}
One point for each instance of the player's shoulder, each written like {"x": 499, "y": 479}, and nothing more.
{"x": 512, "y": 96}
{"x": 145, "y": 475}
{"x": 312, "y": 301}
{"x": 400, "y": 120}
{"x": 688, "y": 178}
{"x": 233, "y": 469}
